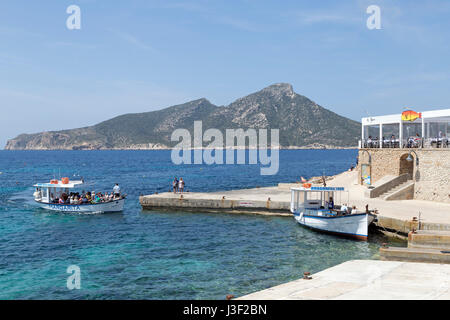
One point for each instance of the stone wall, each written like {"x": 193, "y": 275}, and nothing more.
{"x": 432, "y": 175}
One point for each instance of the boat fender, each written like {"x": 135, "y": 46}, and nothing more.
{"x": 300, "y": 216}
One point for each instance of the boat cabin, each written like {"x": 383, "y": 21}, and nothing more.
{"x": 315, "y": 200}
{"x": 47, "y": 192}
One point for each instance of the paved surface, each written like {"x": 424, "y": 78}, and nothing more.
{"x": 266, "y": 201}
{"x": 256, "y": 194}
{"x": 430, "y": 212}
{"x": 366, "y": 279}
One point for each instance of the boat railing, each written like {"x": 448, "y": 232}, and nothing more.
{"x": 83, "y": 203}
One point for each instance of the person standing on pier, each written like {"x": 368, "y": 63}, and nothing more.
{"x": 175, "y": 185}
{"x": 181, "y": 185}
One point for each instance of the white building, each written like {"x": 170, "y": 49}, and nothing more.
{"x": 407, "y": 129}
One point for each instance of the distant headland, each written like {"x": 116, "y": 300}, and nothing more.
{"x": 302, "y": 124}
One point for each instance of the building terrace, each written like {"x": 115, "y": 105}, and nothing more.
{"x": 413, "y": 162}
{"x": 408, "y": 129}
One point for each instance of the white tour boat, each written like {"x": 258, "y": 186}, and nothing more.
{"x": 46, "y": 193}
{"x": 310, "y": 206}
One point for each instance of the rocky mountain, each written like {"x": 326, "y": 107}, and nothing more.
{"x": 301, "y": 121}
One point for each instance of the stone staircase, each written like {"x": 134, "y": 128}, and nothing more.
{"x": 402, "y": 191}
{"x": 392, "y": 188}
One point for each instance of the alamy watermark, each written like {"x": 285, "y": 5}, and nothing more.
{"x": 74, "y": 280}
{"x": 73, "y": 22}
{"x": 258, "y": 147}
{"x": 374, "y": 20}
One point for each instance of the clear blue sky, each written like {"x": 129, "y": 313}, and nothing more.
{"x": 143, "y": 55}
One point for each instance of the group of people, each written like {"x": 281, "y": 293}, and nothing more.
{"x": 343, "y": 210}
{"x": 374, "y": 142}
{"x": 415, "y": 141}
{"x": 178, "y": 185}
{"x": 87, "y": 197}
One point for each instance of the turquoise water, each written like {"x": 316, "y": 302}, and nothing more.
{"x": 139, "y": 254}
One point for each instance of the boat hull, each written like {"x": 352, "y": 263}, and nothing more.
{"x": 113, "y": 206}
{"x": 352, "y": 226}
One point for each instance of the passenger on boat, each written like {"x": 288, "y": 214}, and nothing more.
{"x": 116, "y": 191}
{"x": 98, "y": 198}
{"x": 84, "y": 200}
{"x": 330, "y": 204}
{"x": 344, "y": 209}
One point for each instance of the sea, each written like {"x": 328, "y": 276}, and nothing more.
{"x": 138, "y": 254}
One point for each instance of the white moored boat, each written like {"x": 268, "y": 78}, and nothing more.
{"x": 310, "y": 206}
{"x": 46, "y": 193}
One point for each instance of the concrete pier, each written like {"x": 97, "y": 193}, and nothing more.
{"x": 395, "y": 217}
{"x": 366, "y": 279}
{"x": 266, "y": 201}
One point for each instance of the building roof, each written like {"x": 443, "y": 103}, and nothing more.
{"x": 427, "y": 116}
{"x": 70, "y": 185}
{"x": 318, "y": 189}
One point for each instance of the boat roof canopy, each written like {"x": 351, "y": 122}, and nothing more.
{"x": 70, "y": 185}
{"x": 318, "y": 189}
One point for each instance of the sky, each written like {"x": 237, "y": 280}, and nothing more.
{"x": 143, "y": 55}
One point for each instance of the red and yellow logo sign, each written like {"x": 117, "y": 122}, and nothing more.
{"x": 410, "y": 115}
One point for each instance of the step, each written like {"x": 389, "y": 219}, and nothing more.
{"x": 391, "y": 190}
{"x": 397, "y": 187}
{"x": 429, "y": 239}
{"x": 404, "y": 191}
{"x": 415, "y": 254}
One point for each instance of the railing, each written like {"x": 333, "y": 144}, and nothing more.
{"x": 386, "y": 186}
{"x": 412, "y": 142}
